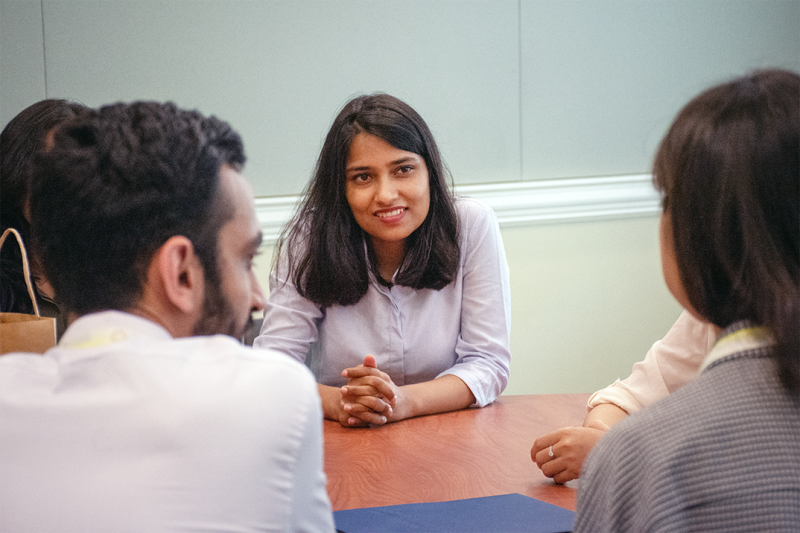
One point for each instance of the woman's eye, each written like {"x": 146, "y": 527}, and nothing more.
{"x": 360, "y": 178}
{"x": 405, "y": 169}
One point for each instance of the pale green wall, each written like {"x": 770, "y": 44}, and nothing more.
{"x": 513, "y": 90}
{"x": 602, "y": 80}
{"x": 588, "y": 300}
{"x": 279, "y": 70}
{"x": 22, "y": 71}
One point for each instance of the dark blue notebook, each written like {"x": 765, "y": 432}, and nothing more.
{"x": 507, "y": 513}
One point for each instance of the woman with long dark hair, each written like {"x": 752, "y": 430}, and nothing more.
{"x": 22, "y": 137}
{"x": 394, "y": 291}
{"x": 723, "y": 452}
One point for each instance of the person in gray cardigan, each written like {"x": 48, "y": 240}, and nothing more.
{"x": 723, "y": 452}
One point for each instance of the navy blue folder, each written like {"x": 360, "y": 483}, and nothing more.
{"x": 507, "y": 513}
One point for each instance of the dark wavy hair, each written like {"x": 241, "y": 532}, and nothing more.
{"x": 324, "y": 245}
{"x": 116, "y": 184}
{"x": 729, "y": 173}
{"x": 22, "y": 137}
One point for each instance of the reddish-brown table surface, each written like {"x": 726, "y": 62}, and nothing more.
{"x": 450, "y": 456}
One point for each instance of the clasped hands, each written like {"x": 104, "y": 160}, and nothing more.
{"x": 370, "y": 396}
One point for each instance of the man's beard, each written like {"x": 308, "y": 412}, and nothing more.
{"x": 219, "y": 315}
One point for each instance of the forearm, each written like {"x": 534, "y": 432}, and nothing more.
{"x": 561, "y": 454}
{"x": 443, "y": 394}
{"x": 605, "y": 413}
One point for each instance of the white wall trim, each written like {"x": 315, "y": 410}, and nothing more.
{"x": 524, "y": 203}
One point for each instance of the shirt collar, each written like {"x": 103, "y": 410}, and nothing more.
{"x": 738, "y": 337}
{"x": 109, "y": 327}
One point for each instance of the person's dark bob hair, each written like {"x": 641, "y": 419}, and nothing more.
{"x": 22, "y": 137}
{"x": 323, "y": 244}
{"x": 729, "y": 173}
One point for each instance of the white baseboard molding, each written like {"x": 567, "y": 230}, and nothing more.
{"x": 524, "y": 203}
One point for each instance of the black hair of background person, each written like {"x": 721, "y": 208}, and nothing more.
{"x": 729, "y": 173}
{"x": 22, "y": 137}
{"x": 118, "y": 182}
{"x": 324, "y": 244}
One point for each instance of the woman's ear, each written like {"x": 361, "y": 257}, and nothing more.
{"x": 181, "y": 273}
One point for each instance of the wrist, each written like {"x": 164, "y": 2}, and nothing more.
{"x": 403, "y": 406}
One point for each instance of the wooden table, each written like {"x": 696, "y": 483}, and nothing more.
{"x": 451, "y": 456}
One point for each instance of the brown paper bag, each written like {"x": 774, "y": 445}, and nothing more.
{"x": 20, "y": 332}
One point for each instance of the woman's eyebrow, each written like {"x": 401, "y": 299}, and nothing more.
{"x": 404, "y": 159}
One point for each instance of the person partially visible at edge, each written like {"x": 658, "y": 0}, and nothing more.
{"x": 148, "y": 415}
{"x": 722, "y": 453}
{"x": 671, "y": 363}
{"x": 23, "y": 137}
{"x": 392, "y": 290}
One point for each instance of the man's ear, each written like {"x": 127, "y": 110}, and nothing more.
{"x": 181, "y": 273}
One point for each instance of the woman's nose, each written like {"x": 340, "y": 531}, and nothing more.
{"x": 387, "y": 190}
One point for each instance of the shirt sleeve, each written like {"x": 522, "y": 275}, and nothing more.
{"x": 483, "y": 355}
{"x": 290, "y": 321}
{"x": 671, "y": 363}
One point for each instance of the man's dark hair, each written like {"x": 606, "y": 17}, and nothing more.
{"x": 22, "y": 137}
{"x": 118, "y": 183}
{"x": 324, "y": 245}
{"x": 729, "y": 172}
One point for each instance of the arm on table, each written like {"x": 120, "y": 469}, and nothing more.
{"x": 669, "y": 364}
{"x": 571, "y": 445}
{"x": 440, "y": 395}
{"x": 337, "y": 405}
{"x": 357, "y": 406}
{"x": 371, "y": 397}
{"x": 604, "y": 416}
{"x": 482, "y": 349}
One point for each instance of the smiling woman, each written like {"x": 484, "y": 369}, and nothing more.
{"x": 387, "y": 189}
{"x": 394, "y": 292}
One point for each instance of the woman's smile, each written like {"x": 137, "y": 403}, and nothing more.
{"x": 391, "y": 215}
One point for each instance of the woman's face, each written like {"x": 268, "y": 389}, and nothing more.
{"x": 387, "y": 188}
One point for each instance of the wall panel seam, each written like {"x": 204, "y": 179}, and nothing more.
{"x": 44, "y": 50}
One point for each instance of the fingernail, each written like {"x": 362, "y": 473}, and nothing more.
{"x": 383, "y": 418}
